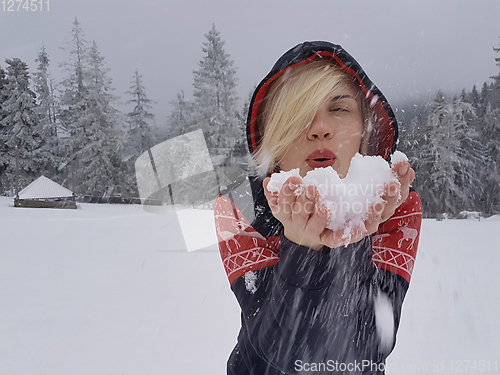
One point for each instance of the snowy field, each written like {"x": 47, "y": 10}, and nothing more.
{"x": 111, "y": 289}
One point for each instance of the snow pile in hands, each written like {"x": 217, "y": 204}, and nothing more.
{"x": 350, "y": 199}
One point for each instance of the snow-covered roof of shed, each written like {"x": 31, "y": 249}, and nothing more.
{"x": 44, "y": 187}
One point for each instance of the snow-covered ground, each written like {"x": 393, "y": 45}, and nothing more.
{"x": 111, "y": 289}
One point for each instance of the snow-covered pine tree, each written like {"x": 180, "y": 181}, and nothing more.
{"x": 180, "y": 120}
{"x": 73, "y": 86}
{"x": 71, "y": 109}
{"x": 3, "y": 97}
{"x": 47, "y": 127}
{"x": 494, "y": 98}
{"x": 471, "y": 156}
{"x": 497, "y": 61}
{"x": 491, "y": 145}
{"x": 413, "y": 140}
{"x": 216, "y": 101}
{"x": 3, "y": 147}
{"x": 475, "y": 100}
{"x": 20, "y": 128}
{"x": 42, "y": 83}
{"x": 92, "y": 142}
{"x": 492, "y": 171}
{"x": 437, "y": 161}
{"x": 490, "y": 140}
{"x": 99, "y": 156}
{"x": 140, "y": 134}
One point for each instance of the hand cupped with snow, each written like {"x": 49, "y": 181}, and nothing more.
{"x": 350, "y": 199}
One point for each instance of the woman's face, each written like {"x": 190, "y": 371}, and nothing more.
{"x": 333, "y": 137}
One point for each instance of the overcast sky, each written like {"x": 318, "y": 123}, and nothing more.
{"x": 408, "y": 48}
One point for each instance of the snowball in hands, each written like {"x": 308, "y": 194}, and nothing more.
{"x": 350, "y": 199}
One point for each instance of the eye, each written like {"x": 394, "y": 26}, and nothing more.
{"x": 339, "y": 109}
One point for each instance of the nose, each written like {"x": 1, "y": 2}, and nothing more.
{"x": 319, "y": 129}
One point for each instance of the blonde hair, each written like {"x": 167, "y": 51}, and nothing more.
{"x": 291, "y": 104}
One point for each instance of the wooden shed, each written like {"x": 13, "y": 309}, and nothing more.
{"x": 45, "y": 193}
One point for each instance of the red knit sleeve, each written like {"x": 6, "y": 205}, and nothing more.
{"x": 396, "y": 241}
{"x": 241, "y": 247}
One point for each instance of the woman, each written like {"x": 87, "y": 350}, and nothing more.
{"x": 308, "y": 302}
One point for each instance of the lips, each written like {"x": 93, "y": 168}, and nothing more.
{"x": 321, "y": 158}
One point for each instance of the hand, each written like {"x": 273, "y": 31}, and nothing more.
{"x": 395, "y": 194}
{"x": 296, "y": 208}
{"x": 304, "y": 220}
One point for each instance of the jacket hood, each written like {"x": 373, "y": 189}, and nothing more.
{"x": 385, "y": 129}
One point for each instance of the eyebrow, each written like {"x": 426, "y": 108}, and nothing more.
{"x": 340, "y": 97}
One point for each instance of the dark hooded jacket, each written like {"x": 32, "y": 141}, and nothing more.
{"x": 305, "y": 311}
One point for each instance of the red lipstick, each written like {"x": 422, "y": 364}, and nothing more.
{"x": 321, "y": 158}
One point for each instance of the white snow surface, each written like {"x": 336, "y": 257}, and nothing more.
{"x": 111, "y": 289}
{"x": 350, "y": 199}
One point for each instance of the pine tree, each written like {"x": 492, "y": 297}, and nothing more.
{"x": 43, "y": 88}
{"x": 92, "y": 142}
{"x": 215, "y": 105}
{"x": 71, "y": 109}
{"x": 47, "y": 127}
{"x": 475, "y": 98}
{"x": 491, "y": 144}
{"x": 100, "y": 154}
{"x": 19, "y": 128}
{"x": 495, "y": 87}
{"x": 437, "y": 161}
{"x": 470, "y": 154}
{"x": 489, "y": 128}
{"x": 77, "y": 69}
{"x": 497, "y": 61}
{"x": 180, "y": 119}
{"x": 413, "y": 141}
{"x": 140, "y": 132}
{"x": 3, "y": 114}
{"x": 3, "y": 97}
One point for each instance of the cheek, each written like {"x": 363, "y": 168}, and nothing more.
{"x": 351, "y": 141}
{"x": 354, "y": 139}
{"x": 291, "y": 159}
